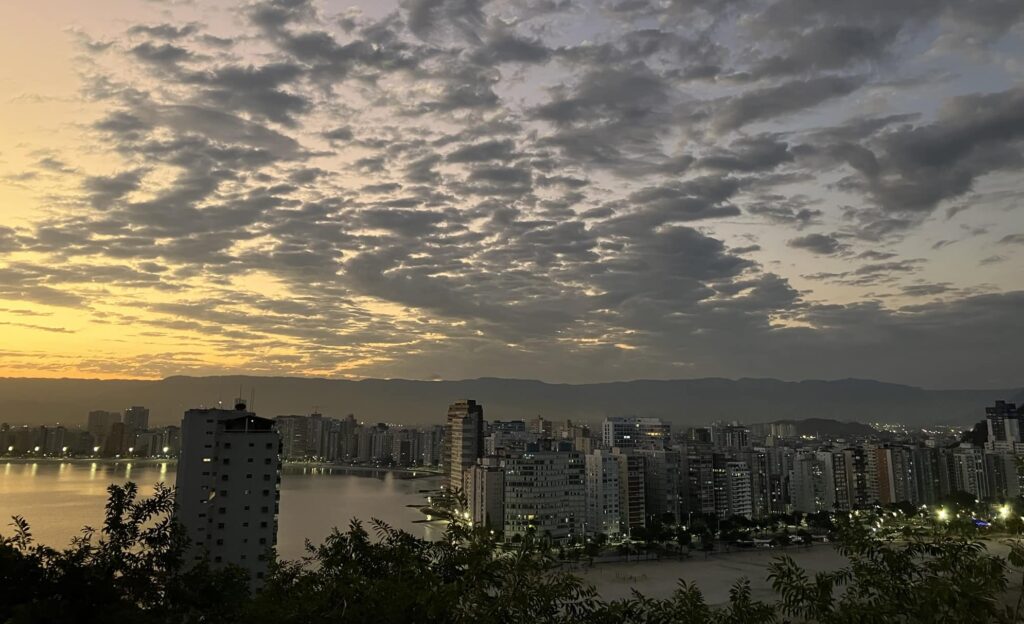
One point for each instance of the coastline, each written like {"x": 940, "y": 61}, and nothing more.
{"x": 89, "y": 460}
{"x": 410, "y": 473}
{"x": 407, "y": 473}
{"x": 714, "y": 576}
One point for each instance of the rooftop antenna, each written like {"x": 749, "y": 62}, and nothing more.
{"x": 252, "y": 399}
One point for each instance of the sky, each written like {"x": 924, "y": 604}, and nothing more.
{"x": 566, "y": 190}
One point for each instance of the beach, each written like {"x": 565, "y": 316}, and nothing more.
{"x": 713, "y": 576}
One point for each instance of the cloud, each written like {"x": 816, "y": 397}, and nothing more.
{"x": 794, "y": 211}
{"x": 909, "y": 171}
{"x": 168, "y": 32}
{"x": 429, "y": 17}
{"x": 256, "y": 90}
{"x": 164, "y": 55}
{"x": 481, "y": 152}
{"x": 531, "y": 188}
{"x": 104, "y": 190}
{"x": 824, "y": 244}
{"x": 784, "y": 99}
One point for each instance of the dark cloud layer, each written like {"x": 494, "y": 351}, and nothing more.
{"x": 463, "y": 187}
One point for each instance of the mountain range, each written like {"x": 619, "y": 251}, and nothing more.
{"x": 682, "y": 402}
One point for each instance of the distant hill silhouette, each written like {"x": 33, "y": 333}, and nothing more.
{"x": 682, "y": 402}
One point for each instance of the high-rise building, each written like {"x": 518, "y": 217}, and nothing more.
{"x": 430, "y": 446}
{"x": 730, "y": 435}
{"x": 463, "y": 440}
{"x": 381, "y": 444}
{"x": 631, "y": 432}
{"x": 541, "y": 427}
{"x": 808, "y": 488}
{"x": 485, "y": 493}
{"x": 511, "y": 426}
{"x": 859, "y": 490}
{"x": 99, "y": 424}
{"x": 136, "y": 418}
{"x": 1003, "y": 422}
{"x": 968, "y": 463}
{"x": 228, "y": 485}
{"x": 170, "y": 441}
{"x": 780, "y": 464}
{"x": 1004, "y": 475}
{"x": 698, "y": 485}
{"x": 405, "y": 447}
{"x": 147, "y": 444}
{"x": 926, "y": 475}
{"x": 294, "y": 431}
{"x": 364, "y": 444}
{"x": 502, "y": 442}
{"x": 632, "y": 492}
{"x": 761, "y": 481}
{"x": 737, "y": 490}
{"x": 120, "y": 440}
{"x": 602, "y": 493}
{"x": 347, "y": 450}
{"x": 316, "y": 441}
{"x": 661, "y": 484}
{"x": 545, "y": 494}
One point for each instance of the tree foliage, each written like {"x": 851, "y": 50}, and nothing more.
{"x": 134, "y": 569}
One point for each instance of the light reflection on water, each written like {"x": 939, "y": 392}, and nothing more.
{"x": 59, "y": 498}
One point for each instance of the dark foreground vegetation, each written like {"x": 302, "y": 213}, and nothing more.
{"x": 133, "y": 570}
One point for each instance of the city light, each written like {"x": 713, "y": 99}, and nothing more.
{"x": 1005, "y": 511}
{"x": 942, "y": 514}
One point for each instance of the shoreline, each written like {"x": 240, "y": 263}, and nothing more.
{"x": 88, "y": 460}
{"x": 412, "y": 473}
{"x": 714, "y": 576}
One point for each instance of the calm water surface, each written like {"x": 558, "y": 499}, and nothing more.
{"x": 58, "y": 499}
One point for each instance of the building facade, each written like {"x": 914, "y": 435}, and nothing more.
{"x": 463, "y": 440}
{"x": 228, "y": 486}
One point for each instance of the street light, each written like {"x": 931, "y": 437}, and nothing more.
{"x": 942, "y": 514}
{"x": 1004, "y": 512}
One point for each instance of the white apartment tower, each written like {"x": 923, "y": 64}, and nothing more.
{"x": 738, "y": 495}
{"x": 602, "y": 493}
{"x": 228, "y": 486}
{"x": 485, "y": 493}
{"x": 545, "y": 495}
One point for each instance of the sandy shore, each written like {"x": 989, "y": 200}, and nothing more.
{"x": 714, "y": 576}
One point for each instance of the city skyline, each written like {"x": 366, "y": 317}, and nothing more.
{"x": 574, "y": 191}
